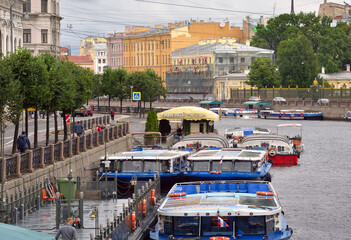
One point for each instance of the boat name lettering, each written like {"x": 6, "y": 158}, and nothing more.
{"x": 183, "y": 114}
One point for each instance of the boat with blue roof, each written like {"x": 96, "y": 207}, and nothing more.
{"x": 144, "y": 164}
{"x": 228, "y": 164}
{"x": 291, "y": 114}
{"x": 221, "y": 210}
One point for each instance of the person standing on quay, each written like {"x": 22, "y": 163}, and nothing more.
{"x": 112, "y": 114}
{"x": 23, "y": 143}
{"x": 67, "y": 231}
{"x": 78, "y": 128}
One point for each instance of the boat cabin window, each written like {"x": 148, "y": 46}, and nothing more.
{"x": 280, "y": 148}
{"x": 267, "y": 202}
{"x": 269, "y": 224}
{"x": 226, "y": 166}
{"x": 188, "y": 226}
{"x": 132, "y": 166}
{"x": 251, "y": 225}
{"x": 151, "y": 166}
{"x": 214, "y": 226}
{"x": 200, "y": 166}
{"x": 243, "y": 166}
{"x": 165, "y": 166}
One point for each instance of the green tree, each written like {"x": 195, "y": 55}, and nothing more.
{"x": 154, "y": 87}
{"x": 297, "y": 63}
{"x": 151, "y": 125}
{"x": 97, "y": 91}
{"x": 263, "y": 73}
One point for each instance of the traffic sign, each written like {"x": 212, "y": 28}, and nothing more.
{"x": 136, "y": 96}
{"x": 68, "y": 118}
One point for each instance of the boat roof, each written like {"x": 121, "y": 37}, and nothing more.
{"x": 13, "y": 232}
{"x": 229, "y": 154}
{"x": 230, "y": 130}
{"x": 265, "y": 137}
{"x": 148, "y": 154}
{"x": 209, "y": 140}
{"x": 210, "y": 203}
{"x": 290, "y": 125}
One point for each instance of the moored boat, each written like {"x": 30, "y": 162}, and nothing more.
{"x": 221, "y": 210}
{"x": 236, "y": 135}
{"x": 228, "y": 164}
{"x": 144, "y": 164}
{"x": 279, "y": 148}
{"x": 194, "y": 142}
{"x": 291, "y": 114}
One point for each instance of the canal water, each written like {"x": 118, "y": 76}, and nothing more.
{"x": 315, "y": 194}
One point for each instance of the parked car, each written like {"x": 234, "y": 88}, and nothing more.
{"x": 279, "y": 100}
{"x": 323, "y": 102}
{"x": 348, "y": 115}
{"x": 254, "y": 98}
{"x": 83, "y": 111}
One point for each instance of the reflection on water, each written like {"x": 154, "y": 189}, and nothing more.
{"x": 315, "y": 194}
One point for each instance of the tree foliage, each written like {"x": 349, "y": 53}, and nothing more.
{"x": 263, "y": 73}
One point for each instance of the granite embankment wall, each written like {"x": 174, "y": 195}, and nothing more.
{"x": 60, "y": 169}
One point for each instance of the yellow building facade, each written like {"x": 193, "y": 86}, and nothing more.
{"x": 152, "y": 47}
{"x": 87, "y": 46}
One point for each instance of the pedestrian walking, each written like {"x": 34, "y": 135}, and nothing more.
{"x": 112, "y": 115}
{"x": 23, "y": 143}
{"x": 67, "y": 231}
{"x": 78, "y": 128}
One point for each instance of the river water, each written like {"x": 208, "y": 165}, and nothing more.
{"x": 316, "y": 194}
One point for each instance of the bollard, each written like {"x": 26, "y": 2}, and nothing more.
{"x": 22, "y": 211}
{"x": 146, "y": 185}
{"x": 81, "y": 209}
{"x": 38, "y": 203}
{"x": 15, "y": 214}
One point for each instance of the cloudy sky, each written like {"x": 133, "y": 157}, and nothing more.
{"x": 84, "y": 18}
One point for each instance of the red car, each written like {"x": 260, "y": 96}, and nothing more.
{"x": 83, "y": 111}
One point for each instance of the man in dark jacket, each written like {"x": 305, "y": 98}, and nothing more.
{"x": 78, "y": 128}
{"x": 23, "y": 143}
{"x": 67, "y": 231}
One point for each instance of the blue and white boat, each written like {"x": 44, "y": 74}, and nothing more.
{"x": 241, "y": 112}
{"x": 228, "y": 164}
{"x": 144, "y": 164}
{"x": 194, "y": 142}
{"x": 221, "y": 210}
{"x": 290, "y": 114}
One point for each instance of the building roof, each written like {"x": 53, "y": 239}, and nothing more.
{"x": 343, "y": 75}
{"x": 218, "y": 47}
{"x": 80, "y": 59}
{"x": 152, "y": 31}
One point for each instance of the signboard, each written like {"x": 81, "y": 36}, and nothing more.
{"x": 68, "y": 118}
{"x": 136, "y": 96}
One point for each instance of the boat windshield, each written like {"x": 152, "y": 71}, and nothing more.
{"x": 151, "y": 166}
{"x": 243, "y": 166}
{"x": 132, "y": 166}
{"x": 253, "y": 202}
{"x": 218, "y": 225}
{"x": 201, "y": 166}
{"x": 224, "y": 166}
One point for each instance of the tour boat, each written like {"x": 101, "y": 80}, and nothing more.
{"x": 235, "y": 135}
{"x": 227, "y": 164}
{"x": 194, "y": 142}
{"x": 241, "y": 112}
{"x": 290, "y": 114}
{"x": 221, "y": 210}
{"x": 279, "y": 148}
{"x": 294, "y": 135}
{"x": 144, "y": 164}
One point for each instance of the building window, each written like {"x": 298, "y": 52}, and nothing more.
{"x": 163, "y": 59}
{"x": 99, "y": 60}
{"x": 220, "y": 60}
{"x": 27, "y": 35}
{"x": 242, "y": 60}
{"x": 103, "y": 60}
{"x": 44, "y": 36}
{"x": 231, "y": 60}
{"x": 156, "y": 44}
{"x": 99, "y": 69}
{"x": 169, "y": 43}
{"x": 253, "y": 59}
{"x": 44, "y": 6}
{"x": 27, "y": 6}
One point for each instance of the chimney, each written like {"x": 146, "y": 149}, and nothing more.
{"x": 347, "y": 67}
{"x": 323, "y": 70}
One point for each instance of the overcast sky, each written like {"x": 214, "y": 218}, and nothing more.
{"x": 84, "y": 18}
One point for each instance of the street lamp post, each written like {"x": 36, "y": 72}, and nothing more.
{"x": 131, "y": 93}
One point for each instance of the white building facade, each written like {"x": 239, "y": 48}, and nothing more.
{"x": 100, "y": 57}
{"x": 5, "y": 25}
{"x": 41, "y": 26}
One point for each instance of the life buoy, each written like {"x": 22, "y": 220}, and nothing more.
{"x": 272, "y": 151}
{"x": 153, "y": 196}
{"x": 180, "y": 194}
{"x": 240, "y": 111}
{"x": 216, "y": 172}
{"x": 144, "y": 207}
{"x": 219, "y": 238}
{"x": 133, "y": 220}
{"x": 301, "y": 114}
{"x": 265, "y": 193}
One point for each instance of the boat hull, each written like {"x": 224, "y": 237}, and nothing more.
{"x": 284, "y": 159}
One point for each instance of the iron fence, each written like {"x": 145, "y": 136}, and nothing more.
{"x": 24, "y": 162}
{"x": 57, "y": 151}
{"x": 66, "y": 149}
{"x": 11, "y": 164}
{"x": 74, "y": 146}
{"x": 36, "y": 158}
{"x": 81, "y": 144}
{"x": 47, "y": 155}
{"x": 95, "y": 139}
{"x": 101, "y": 141}
{"x": 87, "y": 138}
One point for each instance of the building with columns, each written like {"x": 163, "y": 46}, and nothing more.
{"x": 114, "y": 50}
{"x": 5, "y": 25}
{"x": 41, "y": 26}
